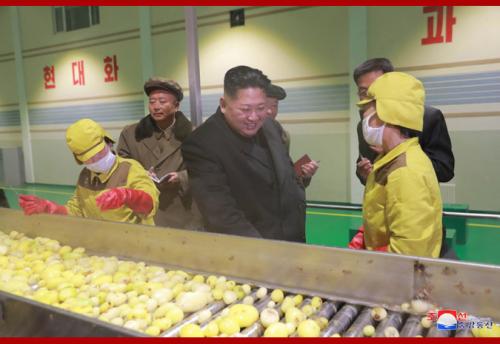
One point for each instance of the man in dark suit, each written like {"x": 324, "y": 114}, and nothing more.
{"x": 275, "y": 94}
{"x": 434, "y": 138}
{"x": 239, "y": 169}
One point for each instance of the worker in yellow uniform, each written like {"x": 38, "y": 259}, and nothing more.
{"x": 402, "y": 207}
{"x": 109, "y": 187}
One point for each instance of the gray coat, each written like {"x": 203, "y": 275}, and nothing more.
{"x": 141, "y": 141}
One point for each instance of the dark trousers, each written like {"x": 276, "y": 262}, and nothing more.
{"x": 3, "y": 199}
{"x": 447, "y": 252}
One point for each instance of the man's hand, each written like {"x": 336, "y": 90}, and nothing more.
{"x": 364, "y": 168}
{"x": 35, "y": 205}
{"x": 309, "y": 169}
{"x": 173, "y": 177}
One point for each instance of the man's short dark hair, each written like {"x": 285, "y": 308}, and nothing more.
{"x": 377, "y": 64}
{"x": 241, "y": 77}
{"x": 276, "y": 92}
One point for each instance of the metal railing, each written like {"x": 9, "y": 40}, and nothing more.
{"x": 472, "y": 215}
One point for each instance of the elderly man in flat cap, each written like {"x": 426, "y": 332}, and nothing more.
{"x": 275, "y": 94}
{"x": 155, "y": 142}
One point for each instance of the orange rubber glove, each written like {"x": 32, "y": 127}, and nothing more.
{"x": 137, "y": 200}
{"x": 35, "y": 205}
{"x": 358, "y": 241}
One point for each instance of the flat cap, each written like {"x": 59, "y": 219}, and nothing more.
{"x": 157, "y": 83}
{"x": 275, "y": 91}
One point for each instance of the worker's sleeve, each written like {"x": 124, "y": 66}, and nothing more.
{"x": 73, "y": 205}
{"x": 306, "y": 181}
{"x": 410, "y": 215}
{"x": 138, "y": 179}
{"x": 436, "y": 143}
{"x": 212, "y": 193}
{"x": 286, "y": 139}
{"x": 123, "y": 149}
{"x": 183, "y": 181}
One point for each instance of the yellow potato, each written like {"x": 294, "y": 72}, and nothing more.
{"x": 276, "y": 329}
{"x": 191, "y": 330}
{"x": 244, "y": 314}
{"x": 277, "y": 295}
{"x": 192, "y": 301}
{"x": 229, "y": 326}
{"x": 308, "y": 328}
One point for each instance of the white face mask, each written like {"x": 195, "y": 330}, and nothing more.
{"x": 103, "y": 165}
{"x": 373, "y": 136}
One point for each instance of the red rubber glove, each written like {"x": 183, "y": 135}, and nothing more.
{"x": 381, "y": 249}
{"x": 34, "y": 205}
{"x": 358, "y": 241}
{"x": 137, "y": 200}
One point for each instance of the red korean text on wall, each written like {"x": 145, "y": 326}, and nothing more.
{"x": 110, "y": 69}
{"x": 49, "y": 77}
{"x": 439, "y": 24}
{"x": 78, "y": 72}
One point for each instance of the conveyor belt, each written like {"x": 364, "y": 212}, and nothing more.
{"x": 350, "y": 283}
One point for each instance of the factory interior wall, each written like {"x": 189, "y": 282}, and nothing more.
{"x": 304, "y": 50}
{"x": 9, "y": 115}
{"x": 314, "y": 74}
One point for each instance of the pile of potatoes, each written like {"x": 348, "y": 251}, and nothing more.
{"x": 141, "y": 297}
{"x": 150, "y": 299}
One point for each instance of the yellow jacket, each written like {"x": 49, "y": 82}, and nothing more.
{"x": 402, "y": 206}
{"x": 126, "y": 173}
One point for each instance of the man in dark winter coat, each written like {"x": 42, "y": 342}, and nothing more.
{"x": 240, "y": 171}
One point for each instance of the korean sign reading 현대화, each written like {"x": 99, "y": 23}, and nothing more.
{"x": 78, "y": 72}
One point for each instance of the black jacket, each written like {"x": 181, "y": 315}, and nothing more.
{"x": 434, "y": 140}
{"x": 239, "y": 190}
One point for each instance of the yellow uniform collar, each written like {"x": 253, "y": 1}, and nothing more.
{"x": 393, "y": 153}
{"x": 103, "y": 177}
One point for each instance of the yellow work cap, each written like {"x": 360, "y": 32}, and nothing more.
{"x": 399, "y": 98}
{"x": 85, "y": 138}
